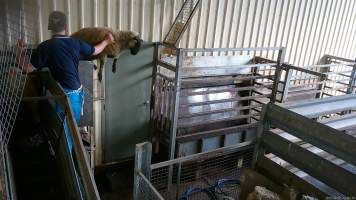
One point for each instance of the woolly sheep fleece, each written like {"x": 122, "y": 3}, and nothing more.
{"x": 122, "y": 40}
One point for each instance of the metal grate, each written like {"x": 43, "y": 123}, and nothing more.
{"x": 15, "y": 38}
{"x": 16, "y": 25}
{"x": 182, "y": 20}
{"x": 146, "y": 189}
{"x": 200, "y": 176}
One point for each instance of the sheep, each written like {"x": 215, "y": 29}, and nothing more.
{"x": 122, "y": 40}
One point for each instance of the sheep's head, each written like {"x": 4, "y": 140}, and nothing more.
{"x": 130, "y": 40}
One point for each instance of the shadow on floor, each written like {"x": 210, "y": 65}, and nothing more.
{"x": 115, "y": 181}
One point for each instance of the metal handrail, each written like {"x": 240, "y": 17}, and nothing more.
{"x": 82, "y": 162}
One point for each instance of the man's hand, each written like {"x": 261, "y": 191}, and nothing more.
{"x": 109, "y": 39}
{"x": 22, "y": 60}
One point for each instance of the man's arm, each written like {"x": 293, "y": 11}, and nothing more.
{"x": 101, "y": 46}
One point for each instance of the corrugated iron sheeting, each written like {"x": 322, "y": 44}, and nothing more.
{"x": 307, "y": 28}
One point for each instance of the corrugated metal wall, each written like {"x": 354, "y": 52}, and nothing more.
{"x": 307, "y": 28}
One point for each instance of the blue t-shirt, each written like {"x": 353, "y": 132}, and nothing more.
{"x": 61, "y": 55}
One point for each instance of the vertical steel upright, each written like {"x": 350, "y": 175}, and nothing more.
{"x": 143, "y": 154}
{"x": 175, "y": 103}
{"x": 352, "y": 83}
{"x": 277, "y": 76}
{"x": 286, "y": 84}
{"x": 175, "y": 106}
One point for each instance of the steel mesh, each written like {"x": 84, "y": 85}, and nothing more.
{"x": 18, "y": 22}
{"x": 146, "y": 189}
{"x": 181, "y": 21}
{"x": 202, "y": 173}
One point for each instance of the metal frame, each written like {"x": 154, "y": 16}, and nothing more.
{"x": 184, "y": 17}
{"x": 330, "y": 140}
{"x": 335, "y": 76}
{"x": 83, "y": 169}
{"x": 320, "y": 107}
{"x": 146, "y": 185}
{"x": 178, "y": 79}
{"x": 269, "y": 140}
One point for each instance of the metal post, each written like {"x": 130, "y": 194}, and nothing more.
{"x": 175, "y": 105}
{"x": 277, "y": 76}
{"x": 321, "y": 87}
{"x": 352, "y": 82}
{"x": 264, "y": 125}
{"x": 178, "y": 179}
{"x": 286, "y": 85}
{"x": 142, "y": 164}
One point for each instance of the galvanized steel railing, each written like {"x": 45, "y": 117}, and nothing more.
{"x": 208, "y": 98}
{"x": 78, "y": 179}
{"x": 190, "y": 173}
{"x": 302, "y": 153}
{"x": 317, "y": 81}
{"x": 297, "y": 155}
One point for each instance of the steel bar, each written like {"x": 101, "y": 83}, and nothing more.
{"x": 352, "y": 81}
{"x": 319, "y": 107}
{"x": 165, "y": 77}
{"x": 186, "y": 93}
{"x": 282, "y": 175}
{"x": 216, "y": 132}
{"x": 322, "y": 136}
{"x": 259, "y": 59}
{"x": 318, "y": 167}
{"x": 190, "y": 124}
{"x": 208, "y": 154}
{"x": 175, "y": 106}
{"x": 197, "y": 68}
{"x": 225, "y": 100}
{"x": 233, "y": 49}
{"x": 196, "y": 114}
{"x": 327, "y": 56}
{"x": 302, "y": 69}
{"x": 327, "y": 65}
{"x": 176, "y": 103}
{"x": 277, "y": 75}
{"x": 166, "y": 65}
{"x": 221, "y": 81}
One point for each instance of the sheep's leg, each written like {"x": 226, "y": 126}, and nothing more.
{"x": 101, "y": 65}
{"x": 114, "y": 65}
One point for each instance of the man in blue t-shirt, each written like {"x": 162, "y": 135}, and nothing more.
{"x": 61, "y": 54}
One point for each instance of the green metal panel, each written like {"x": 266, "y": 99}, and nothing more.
{"x": 127, "y": 109}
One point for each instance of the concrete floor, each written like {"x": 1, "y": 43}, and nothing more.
{"x": 115, "y": 182}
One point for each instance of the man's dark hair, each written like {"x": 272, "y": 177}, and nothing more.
{"x": 57, "y": 21}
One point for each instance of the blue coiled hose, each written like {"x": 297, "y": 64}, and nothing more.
{"x": 211, "y": 191}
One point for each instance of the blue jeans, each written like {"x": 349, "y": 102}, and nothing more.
{"x": 76, "y": 98}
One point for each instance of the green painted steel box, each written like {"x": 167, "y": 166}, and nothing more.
{"x": 127, "y": 106}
